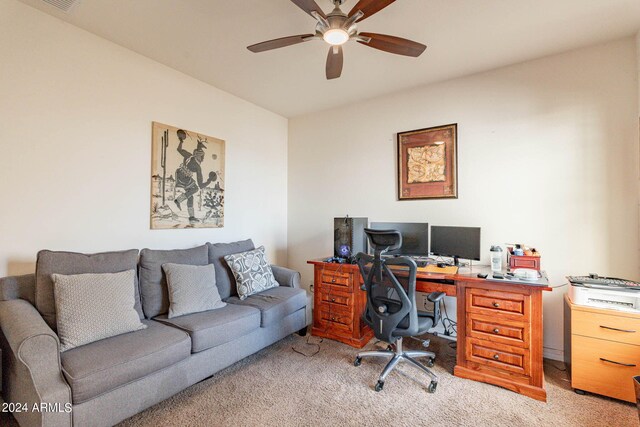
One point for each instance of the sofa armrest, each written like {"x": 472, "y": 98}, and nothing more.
{"x": 34, "y": 375}
{"x": 286, "y": 277}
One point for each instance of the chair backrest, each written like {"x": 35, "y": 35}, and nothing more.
{"x": 390, "y": 284}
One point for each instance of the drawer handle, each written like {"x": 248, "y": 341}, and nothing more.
{"x": 496, "y": 331}
{"x": 333, "y": 280}
{"x": 333, "y": 300}
{"x": 616, "y": 329}
{"x": 630, "y": 365}
{"x": 496, "y": 356}
{"x": 496, "y": 305}
{"x": 333, "y": 318}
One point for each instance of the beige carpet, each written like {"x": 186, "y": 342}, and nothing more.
{"x": 278, "y": 387}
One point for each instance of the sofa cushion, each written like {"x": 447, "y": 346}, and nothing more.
{"x": 102, "y": 366}
{"x": 92, "y": 307}
{"x": 224, "y": 277}
{"x": 50, "y": 262}
{"x": 153, "y": 282}
{"x": 274, "y": 304}
{"x": 212, "y": 328}
{"x": 252, "y": 272}
{"x": 192, "y": 289}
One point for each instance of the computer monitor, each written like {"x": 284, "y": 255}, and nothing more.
{"x": 456, "y": 242}
{"x": 415, "y": 237}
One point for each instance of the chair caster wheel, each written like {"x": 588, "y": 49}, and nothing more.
{"x": 379, "y": 385}
{"x": 432, "y": 387}
{"x": 430, "y": 362}
{"x": 580, "y": 392}
{"x": 357, "y": 362}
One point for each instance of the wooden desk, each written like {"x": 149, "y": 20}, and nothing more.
{"x": 499, "y": 323}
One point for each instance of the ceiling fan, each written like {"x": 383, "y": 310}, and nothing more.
{"x": 337, "y": 28}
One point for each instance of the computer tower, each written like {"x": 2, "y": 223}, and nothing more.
{"x": 349, "y": 237}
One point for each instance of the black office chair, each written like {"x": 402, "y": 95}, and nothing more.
{"x": 391, "y": 309}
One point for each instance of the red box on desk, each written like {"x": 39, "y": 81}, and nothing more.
{"x": 524, "y": 261}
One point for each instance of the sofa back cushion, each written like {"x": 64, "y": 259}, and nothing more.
{"x": 153, "y": 282}
{"x": 18, "y": 287}
{"x": 54, "y": 262}
{"x": 224, "y": 276}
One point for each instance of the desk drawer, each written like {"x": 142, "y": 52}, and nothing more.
{"x": 340, "y": 298}
{"x": 333, "y": 289}
{"x": 505, "y": 304}
{"x": 500, "y": 356}
{"x": 337, "y": 279}
{"x": 610, "y": 377}
{"x": 335, "y": 315}
{"x": 498, "y": 330}
{"x": 607, "y": 327}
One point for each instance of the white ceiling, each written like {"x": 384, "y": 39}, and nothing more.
{"x": 207, "y": 39}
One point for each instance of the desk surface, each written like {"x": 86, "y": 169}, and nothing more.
{"x": 465, "y": 274}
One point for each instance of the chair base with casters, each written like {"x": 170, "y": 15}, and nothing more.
{"x": 397, "y": 355}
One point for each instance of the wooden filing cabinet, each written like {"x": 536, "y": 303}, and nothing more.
{"x": 602, "y": 350}
{"x": 500, "y": 340}
{"x": 338, "y": 304}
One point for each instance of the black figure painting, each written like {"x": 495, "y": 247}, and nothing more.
{"x": 187, "y": 179}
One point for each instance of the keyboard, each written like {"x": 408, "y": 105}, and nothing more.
{"x": 420, "y": 262}
{"x": 604, "y": 282}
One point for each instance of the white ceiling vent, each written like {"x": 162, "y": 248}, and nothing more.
{"x": 63, "y": 5}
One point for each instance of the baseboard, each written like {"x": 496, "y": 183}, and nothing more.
{"x": 553, "y": 354}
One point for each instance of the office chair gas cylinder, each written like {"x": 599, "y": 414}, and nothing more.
{"x": 391, "y": 310}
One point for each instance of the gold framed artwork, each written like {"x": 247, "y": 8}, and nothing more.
{"x": 428, "y": 163}
{"x": 187, "y": 179}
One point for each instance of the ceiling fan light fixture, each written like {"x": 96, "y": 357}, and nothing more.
{"x": 336, "y": 36}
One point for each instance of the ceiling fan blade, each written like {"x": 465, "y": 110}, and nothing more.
{"x": 278, "y": 43}
{"x": 369, "y": 7}
{"x": 393, "y": 44}
{"x": 309, "y": 6}
{"x": 335, "y": 60}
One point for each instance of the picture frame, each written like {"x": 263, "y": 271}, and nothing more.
{"x": 187, "y": 179}
{"x": 428, "y": 163}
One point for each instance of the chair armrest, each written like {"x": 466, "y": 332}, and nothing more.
{"x": 34, "y": 375}
{"x": 286, "y": 277}
{"x": 436, "y": 296}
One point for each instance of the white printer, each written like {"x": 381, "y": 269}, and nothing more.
{"x": 605, "y": 292}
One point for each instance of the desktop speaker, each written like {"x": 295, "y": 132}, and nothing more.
{"x": 349, "y": 237}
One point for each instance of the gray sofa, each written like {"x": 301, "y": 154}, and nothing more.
{"x": 107, "y": 381}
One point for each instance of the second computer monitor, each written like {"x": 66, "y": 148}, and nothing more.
{"x": 456, "y": 242}
{"x": 415, "y": 237}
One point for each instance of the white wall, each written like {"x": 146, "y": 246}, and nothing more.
{"x": 75, "y": 144}
{"x": 638, "y": 115}
{"x": 547, "y": 155}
